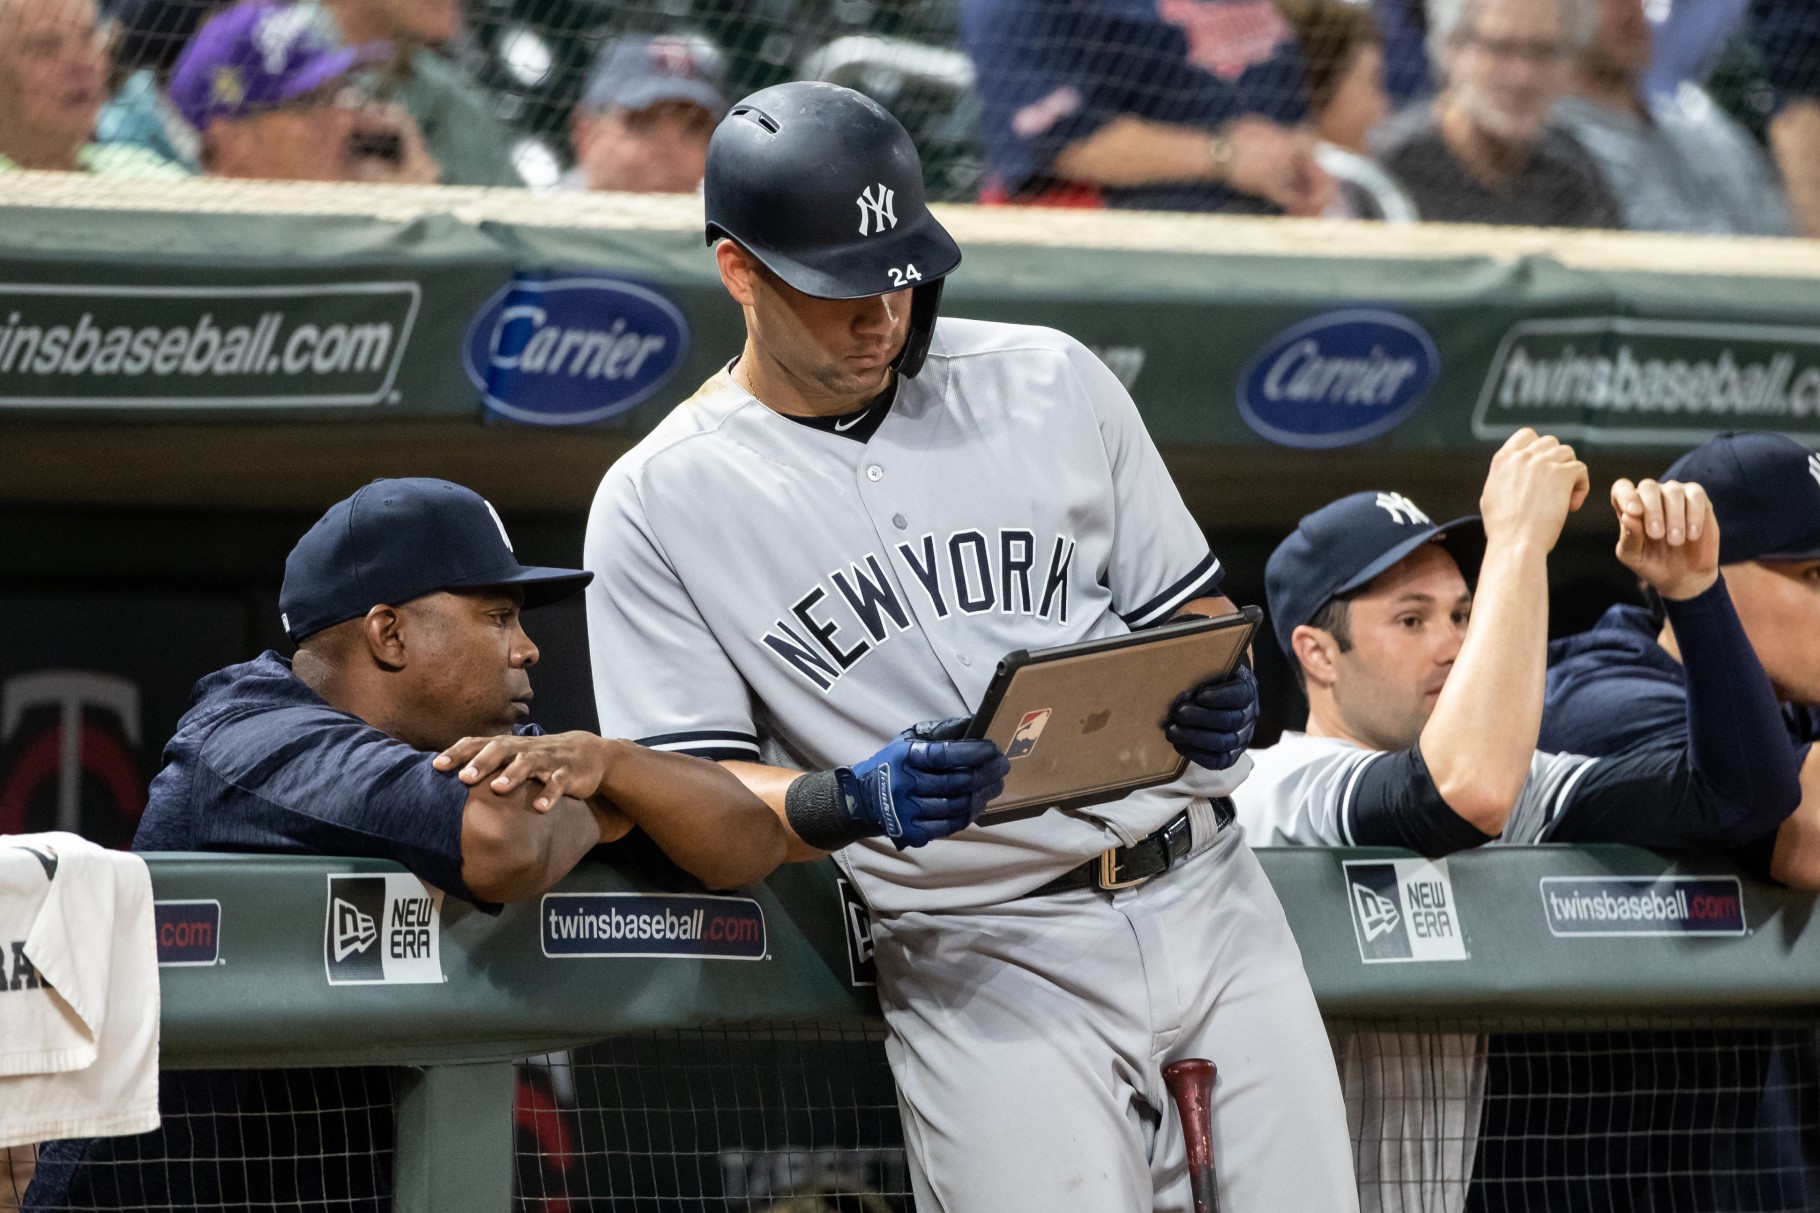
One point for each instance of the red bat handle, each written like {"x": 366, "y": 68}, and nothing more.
{"x": 1190, "y": 1083}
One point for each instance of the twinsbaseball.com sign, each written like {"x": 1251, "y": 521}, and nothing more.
{"x": 110, "y": 346}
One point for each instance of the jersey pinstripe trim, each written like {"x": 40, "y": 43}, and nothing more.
{"x": 706, "y": 743}
{"x": 1561, "y": 798}
{"x": 1201, "y": 582}
{"x": 1343, "y": 812}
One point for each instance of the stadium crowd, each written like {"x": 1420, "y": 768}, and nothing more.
{"x": 1580, "y": 113}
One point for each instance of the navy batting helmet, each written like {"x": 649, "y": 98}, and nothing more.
{"x": 824, "y": 187}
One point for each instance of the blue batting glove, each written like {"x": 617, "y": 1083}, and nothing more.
{"x": 1212, "y": 724}
{"x": 927, "y": 784}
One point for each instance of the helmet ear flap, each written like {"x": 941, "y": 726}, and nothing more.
{"x": 925, "y": 302}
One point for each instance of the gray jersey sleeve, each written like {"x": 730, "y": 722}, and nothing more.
{"x": 660, "y": 676}
{"x": 1160, "y": 559}
{"x": 1546, "y": 794}
{"x": 1300, "y": 792}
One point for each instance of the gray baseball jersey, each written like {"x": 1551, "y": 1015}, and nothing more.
{"x": 1413, "y": 1103}
{"x": 769, "y": 591}
{"x": 1300, "y": 793}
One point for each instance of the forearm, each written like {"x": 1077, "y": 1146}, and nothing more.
{"x": 772, "y": 786}
{"x": 1737, "y": 739}
{"x": 700, "y": 815}
{"x": 1130, "y": 151}
{"x": 510, "y": 851}
{"x": 1480, "y": 741}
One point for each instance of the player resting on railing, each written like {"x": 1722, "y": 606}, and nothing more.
{"x": 404, "y": 601}
{"x": 1422, "y": 731}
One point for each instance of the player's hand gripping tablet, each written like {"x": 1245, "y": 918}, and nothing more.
{"x": 926, "y": 784}
{"x": 1211, "y": 724}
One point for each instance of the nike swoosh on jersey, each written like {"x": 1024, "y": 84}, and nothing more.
{"x": 842, "y": 427}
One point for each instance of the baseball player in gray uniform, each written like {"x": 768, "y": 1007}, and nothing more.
{"x": 837, "y": 537}
{"x": 1422, "y": 734}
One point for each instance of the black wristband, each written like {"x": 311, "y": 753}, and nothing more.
{"x": 815, "y": 809}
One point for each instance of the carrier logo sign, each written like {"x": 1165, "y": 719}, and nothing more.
{"x": 189, "y": 932}
{"x": 1340, "y": 378}
{"x": 1643, "y": 905}
{"x": 1403, "y": 910}
{"x": 573, "y": 349}
{"x": 1657, "y": 382}
{"x": 107, "y": 346}
{"x": 652, "y": 924}
{"x": 382, "y": 929}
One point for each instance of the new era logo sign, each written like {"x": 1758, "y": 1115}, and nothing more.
{"x": 1403, "y": 910}
{"x": 353, "y": 930}
{"x": 1377, "y": 914}
{"x": 876, "y": 213}
{"x": 1402, "y": 509}
{"x": 385, "y": 928}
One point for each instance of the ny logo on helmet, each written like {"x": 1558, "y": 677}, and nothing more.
{"x": 1401, "y": 509}
{"x": 876, "y": 213}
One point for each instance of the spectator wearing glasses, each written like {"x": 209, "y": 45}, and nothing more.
{"x": 643, "y": 124}
{"x": 53, "y": 81}
{"x": 1674, "y": 162}
{"x": 274, "y": 99}
{"x": 1193, "y": 105}
{"x": 1484, "y": 151}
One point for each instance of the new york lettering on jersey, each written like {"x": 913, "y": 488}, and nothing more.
{"x": 966, "y": 572}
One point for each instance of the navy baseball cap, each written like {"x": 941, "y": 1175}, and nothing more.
{"x": 637, "y": 72}
{"x": 1342, "y": 546}
{"x": 1765, "y": 490}
{"x": 257, "y": 56}
{"x": 396, "y": 540}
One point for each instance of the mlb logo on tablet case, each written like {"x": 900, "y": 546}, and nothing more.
{"x": 1029, "y": 729}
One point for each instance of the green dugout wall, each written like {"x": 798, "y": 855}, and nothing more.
{"x": 267, "y": 965}
{"x": 1359, "y": 345}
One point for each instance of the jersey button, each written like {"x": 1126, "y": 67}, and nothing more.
{"x": 963, "y": 659}
{"x": 898, "y": 521}
{"x": 875, "y": 473}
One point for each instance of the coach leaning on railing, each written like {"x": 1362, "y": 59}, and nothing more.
{"x": 404, "y": 600}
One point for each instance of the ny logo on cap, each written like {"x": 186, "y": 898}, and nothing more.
{"x": 1402, "y": 509}
{"x": 494, "y": 514}
{"x": 1813, "y": 467}
{"x": 876, "y": 211}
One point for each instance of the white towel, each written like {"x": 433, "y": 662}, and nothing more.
{"x": 78, "y": 991}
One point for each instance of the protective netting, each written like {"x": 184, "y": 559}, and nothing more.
{"x": 1659, "y": 114}
{"x": 1639, "y": 1113}
{"x": 1678, "y": 1114}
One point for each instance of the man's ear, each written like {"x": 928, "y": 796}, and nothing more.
{"x": 738, "y": 272}
{"x": 1318, "y": 652}
{"x": 383, "y": 631}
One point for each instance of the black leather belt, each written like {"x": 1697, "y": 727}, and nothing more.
{"x": 1128, "y": 867}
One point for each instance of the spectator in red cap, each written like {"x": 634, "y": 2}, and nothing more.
{"x": 644, "y": 122}
{"x": 272, "y": 97}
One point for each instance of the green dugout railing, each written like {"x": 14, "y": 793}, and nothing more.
{"x": 253, "y": 943}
